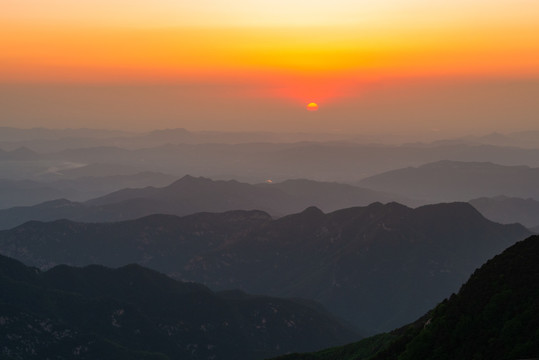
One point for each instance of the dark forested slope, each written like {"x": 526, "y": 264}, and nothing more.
{"x": 136, "y": 313}
{"x": 495, "y": 315}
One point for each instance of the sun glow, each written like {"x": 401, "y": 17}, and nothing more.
{"x": 296, "y": 52}
{"x": 312, "y": 106}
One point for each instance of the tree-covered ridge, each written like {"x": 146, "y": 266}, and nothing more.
{"x": 494, "y": 316}
{"x": 136, "y": 313}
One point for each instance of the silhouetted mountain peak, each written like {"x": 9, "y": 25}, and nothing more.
{"x": 59, "y": 203}
{"x": 312, "y": 211}
{"x": 189, "y": 182}
{"x": 375, "y": 205}
{"x": 458, "y": 209}
{"x": 190, "y": 178}
{"x": 311, "y": 215}
{"x": 393, "y": 207}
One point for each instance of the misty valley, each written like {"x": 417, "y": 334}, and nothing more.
{"x": 174, "y": 244}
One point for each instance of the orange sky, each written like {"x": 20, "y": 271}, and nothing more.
{"x": 324, "y": 51}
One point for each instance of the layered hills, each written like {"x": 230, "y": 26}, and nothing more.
{"x": 190, "y": 195}
{"x": 246, "y": 157}
{"x": 378, "y": 266}
{"x": 495, "y": 315}
{"x": 17, "y": 193}
{"x": 457, "y": 181}
{"x": 136, "y": 313}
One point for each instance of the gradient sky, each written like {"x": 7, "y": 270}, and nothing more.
{"x": 387, "y": 65}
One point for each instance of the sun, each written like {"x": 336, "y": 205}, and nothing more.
{"x": 312, "y": 106}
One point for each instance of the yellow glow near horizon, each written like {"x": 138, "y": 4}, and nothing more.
{"x": 301, "y": 48}
{"x": 207, "y": 53}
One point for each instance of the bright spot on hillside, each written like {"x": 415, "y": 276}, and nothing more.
{"x": 312, "y": 106}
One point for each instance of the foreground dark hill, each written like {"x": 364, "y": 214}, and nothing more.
{"x": 494, "y": 316}
{"x": 378, "y": 266}
{"x": 507, "y": 210}
{"x": 458, "y": 181}
{"x": 137, "y": 313}
{"x": 190, "y": 195}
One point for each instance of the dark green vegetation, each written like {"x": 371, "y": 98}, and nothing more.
{"x": 190, "y": 195}
{"x": 354, "y": 351}
{"x": 136, "y": 313}
{"x": 378, "y": 266}
{"x": 458, "y": 180}
{"x": 494, "y": 316}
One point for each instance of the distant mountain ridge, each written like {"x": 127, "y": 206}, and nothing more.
{"x": 378, "y": 266}
{"x": 507, "y": 210}
{"x": 190, "y": 195}
{"x": 19, "y": 154}
{"x": 257, "y": 158}
{"x": 136, "y": 313}
{"x": 30, "y": 192}
{"x": 457, "y": 181}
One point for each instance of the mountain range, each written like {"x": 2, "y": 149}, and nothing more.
{"x": 495, "y": 315}
{"x": 457, "y": 181}
{"x": 191, "y": 195}
{"x": 136, "y": 313}
{"x": 507, "y": 210}
{"x": 254, "y": 162}
{"x": 378, "y": 266}
{"x": 36, "y": 136}
{"x": 19, "y": 154}
{"x": 81, "y": 188}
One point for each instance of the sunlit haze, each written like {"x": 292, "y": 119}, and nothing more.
{"x": 454, "y": 67}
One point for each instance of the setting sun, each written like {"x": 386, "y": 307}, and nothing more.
{"x": 312, "y": 106}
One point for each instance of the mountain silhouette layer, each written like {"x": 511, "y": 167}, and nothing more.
{"x": 190, "y": 195}
{"x": 378, "y": 266}
{"x": 457, "y": 181}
